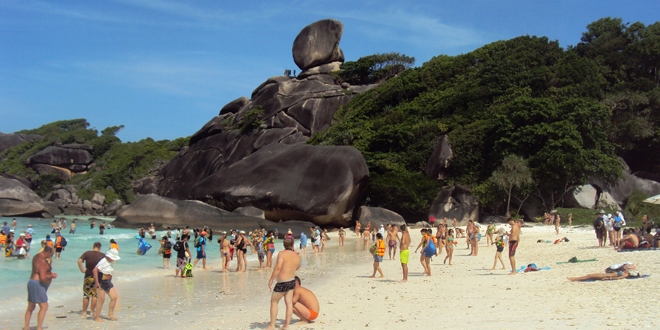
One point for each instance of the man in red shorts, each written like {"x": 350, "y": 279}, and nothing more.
{"x": 514, "y": 237}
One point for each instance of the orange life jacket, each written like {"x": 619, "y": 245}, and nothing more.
{"x": 3, "y": 239}
{"x": 114, "y": 246}
{"x": 49, "y": 243}
{"x": 381, "y": 248}
{"x": 58, "y": 240}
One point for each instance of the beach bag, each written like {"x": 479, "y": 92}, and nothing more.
{"x": 188, "y": 269}
{"x": 430, "y": 249}
{"x": 197, "y": 242}
{"x": 373, "y": 249}
{"x": 63, "y": 242}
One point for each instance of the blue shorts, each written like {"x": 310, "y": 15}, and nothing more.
{"x": 106, "y": 285}
{"x": 201, "y": 255}
{"x": 37, "y": 291}
{"x": 378, "y": 258}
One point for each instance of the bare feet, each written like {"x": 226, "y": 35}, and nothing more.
{"x": 381, "y": 276}
{"x": 99, "y": 319}
{"x": 513, "y": 273}
{"x": 492, "y": 268}
{"x": 270, "y": 327}
{"x": 503, "y": 267}
{"x": 404, "y": 281}
{"x": 112, "y": 318}
{"x": 372, "y": 276}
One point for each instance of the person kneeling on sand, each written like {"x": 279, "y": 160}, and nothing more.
{"x": 305, "y": 304}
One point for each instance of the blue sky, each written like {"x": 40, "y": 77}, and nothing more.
{"x": 165, "y": 68}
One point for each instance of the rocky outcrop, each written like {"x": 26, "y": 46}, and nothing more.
{"x": 379, "y": 216}
{"x": 584, "y": 196}
{"x": 320, "y": 184}
{"x": 251, "y": 212}
{"x": 165, "y": 212}
{"x": 16, "y": 199}
{"x": 455, "y": 202}
{"x": 318, "y": 44}
{"x": 11, "y": 140}
{"x": 438, "y": 163}
{"x": 62, "y": 161}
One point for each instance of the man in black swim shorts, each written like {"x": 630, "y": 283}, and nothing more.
{"x": 285, "y": 286}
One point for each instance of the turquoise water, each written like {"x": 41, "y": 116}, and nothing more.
{"x": 14, "y": 273}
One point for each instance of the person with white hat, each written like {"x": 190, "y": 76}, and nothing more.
{"x": 103, "y": 273}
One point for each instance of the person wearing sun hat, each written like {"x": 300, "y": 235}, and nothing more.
{"x": 103, "y": 273}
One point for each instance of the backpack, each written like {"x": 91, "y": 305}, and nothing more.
{"x": 197, "y": 244}
{"x": 63, "y": 242}
{"x": 178, "y": 246}
{"x": 168, "y": 245}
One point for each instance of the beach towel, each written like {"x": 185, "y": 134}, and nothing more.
{"x": 532, "y": 269}
{"x": 575, "y": 260}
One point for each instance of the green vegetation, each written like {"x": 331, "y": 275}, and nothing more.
{"x": 251, "y": 120}
{"x": 117, "y": 164}
{"x": 374, "y": 68}
{"x": 568, "y": 113}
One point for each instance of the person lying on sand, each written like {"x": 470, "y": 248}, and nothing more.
{"x": 616, "y": 272}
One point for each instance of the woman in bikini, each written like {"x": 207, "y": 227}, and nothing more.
{"x": 450, "y": 246}
{"x": 224, "y": 251}
{"x": 358, "y": 227}
{"x": 365, "y": 237}
{"x": 270, "y": 249}
{"x": 439, "y": 234}
{"x": 342, "y": 234}
{"x": 324, "y": 238}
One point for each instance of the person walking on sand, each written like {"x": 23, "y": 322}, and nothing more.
{"x": 182, "y": 253}
{"x": 392, "y": 237}
{"x": 404, "y": 254}
{"x": 91, "y": 258}
{"x": 378, "y": 255}
{"x": 423, "y": 243}
{"x": 37, "y": 287}
{"x": 499, "y": 245}
{"x": 365, "y": 238}
{"x": 557, "y": 223}
{"x": 103, "y": 273}
{"x": 305, "y": 304}
{"x": 599, "y": 228}
{"x": 514, "y": 238}
{"x": 288, "y": 262}
{"x": 201, "y": 250}
{"x": 450, "y": 246}
{"x": 342, "y": 235}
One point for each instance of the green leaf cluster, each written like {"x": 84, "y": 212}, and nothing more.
{"x": 374, "y": 68}
{"x": 117, "y": 164}
{"x": 526, "y": 96}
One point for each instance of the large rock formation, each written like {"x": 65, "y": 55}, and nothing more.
{"x": 281, "y": 111}
{"x": 292, "y": 182}
{"x": 455, "y": 202}
{"x": 440, "y": 159}
{"x": 318, "y": 44}
{"x": 166, "y": 212}
{"x": 16, "y": 199}
{"x": 11, "y": 140}
{"x": 74, "y": 157}
{"x": 379, "y": 216}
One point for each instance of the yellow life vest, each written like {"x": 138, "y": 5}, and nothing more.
{"x": 381, "y": 248}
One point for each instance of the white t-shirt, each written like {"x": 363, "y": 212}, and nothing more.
{"x": 105, "y": 267}
{"x": 609, "y": 226}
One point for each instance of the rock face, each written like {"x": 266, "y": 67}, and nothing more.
{"x": 11, "y": 140}
{"x": 318, "y": 44}
{"x": 440, "y": 159}
{"x": 584, "y": 196}
{"x": 379, "y": 216}
{"x": 62, "y": 161}
{"x": 164, "y": 212}
{"x": 16, "y": 199}
{"x": 292, "y": 182}
{"x": 455, "y": 202}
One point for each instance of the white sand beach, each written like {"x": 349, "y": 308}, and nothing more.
{"x": 465, "y": 295}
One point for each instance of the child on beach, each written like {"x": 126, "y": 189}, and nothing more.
{"x": 499, "y": 244}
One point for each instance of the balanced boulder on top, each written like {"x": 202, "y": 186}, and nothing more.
{"x": 318, "y": 44}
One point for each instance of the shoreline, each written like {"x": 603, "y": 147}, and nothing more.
{"x": 468, "y": 293}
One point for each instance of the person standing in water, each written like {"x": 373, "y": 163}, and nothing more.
{"x": 37, "y": 286}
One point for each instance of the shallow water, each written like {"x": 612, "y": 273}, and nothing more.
{"x": 14, "y": 273}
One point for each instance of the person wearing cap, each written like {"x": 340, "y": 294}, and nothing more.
{"x": 201, "y": 250}
{"x": 29, "y": 230}
{"x": 103, "y": 273}
{"x": 22, "y": 247}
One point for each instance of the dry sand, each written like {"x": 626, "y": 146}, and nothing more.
{"x": 465, "y": 295}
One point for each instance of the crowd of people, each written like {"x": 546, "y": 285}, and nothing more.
{"x": 385, "y": 240}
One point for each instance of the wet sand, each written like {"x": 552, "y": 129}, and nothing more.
{"x": 466, "y": 294}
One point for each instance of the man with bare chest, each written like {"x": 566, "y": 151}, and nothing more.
{"x": 392, "y": 237}
{"x": 514, "y": 238}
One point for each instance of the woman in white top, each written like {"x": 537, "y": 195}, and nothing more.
{"x": 103, "y": 273}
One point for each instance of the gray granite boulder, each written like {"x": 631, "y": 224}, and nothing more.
{"x": 584, "y": 196}
{"x": 67, "y": 157}
{"x": 455, "y": 202}
{"x": 11, "y": 140}
{"x": 438, "y": 163}
{"x": 379, "y": 216}
{"x": 318, "y": 44}
{"x": 16, "y": 199}
{"x": 320, "y": 184}
{"x": 250, "y": 211}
